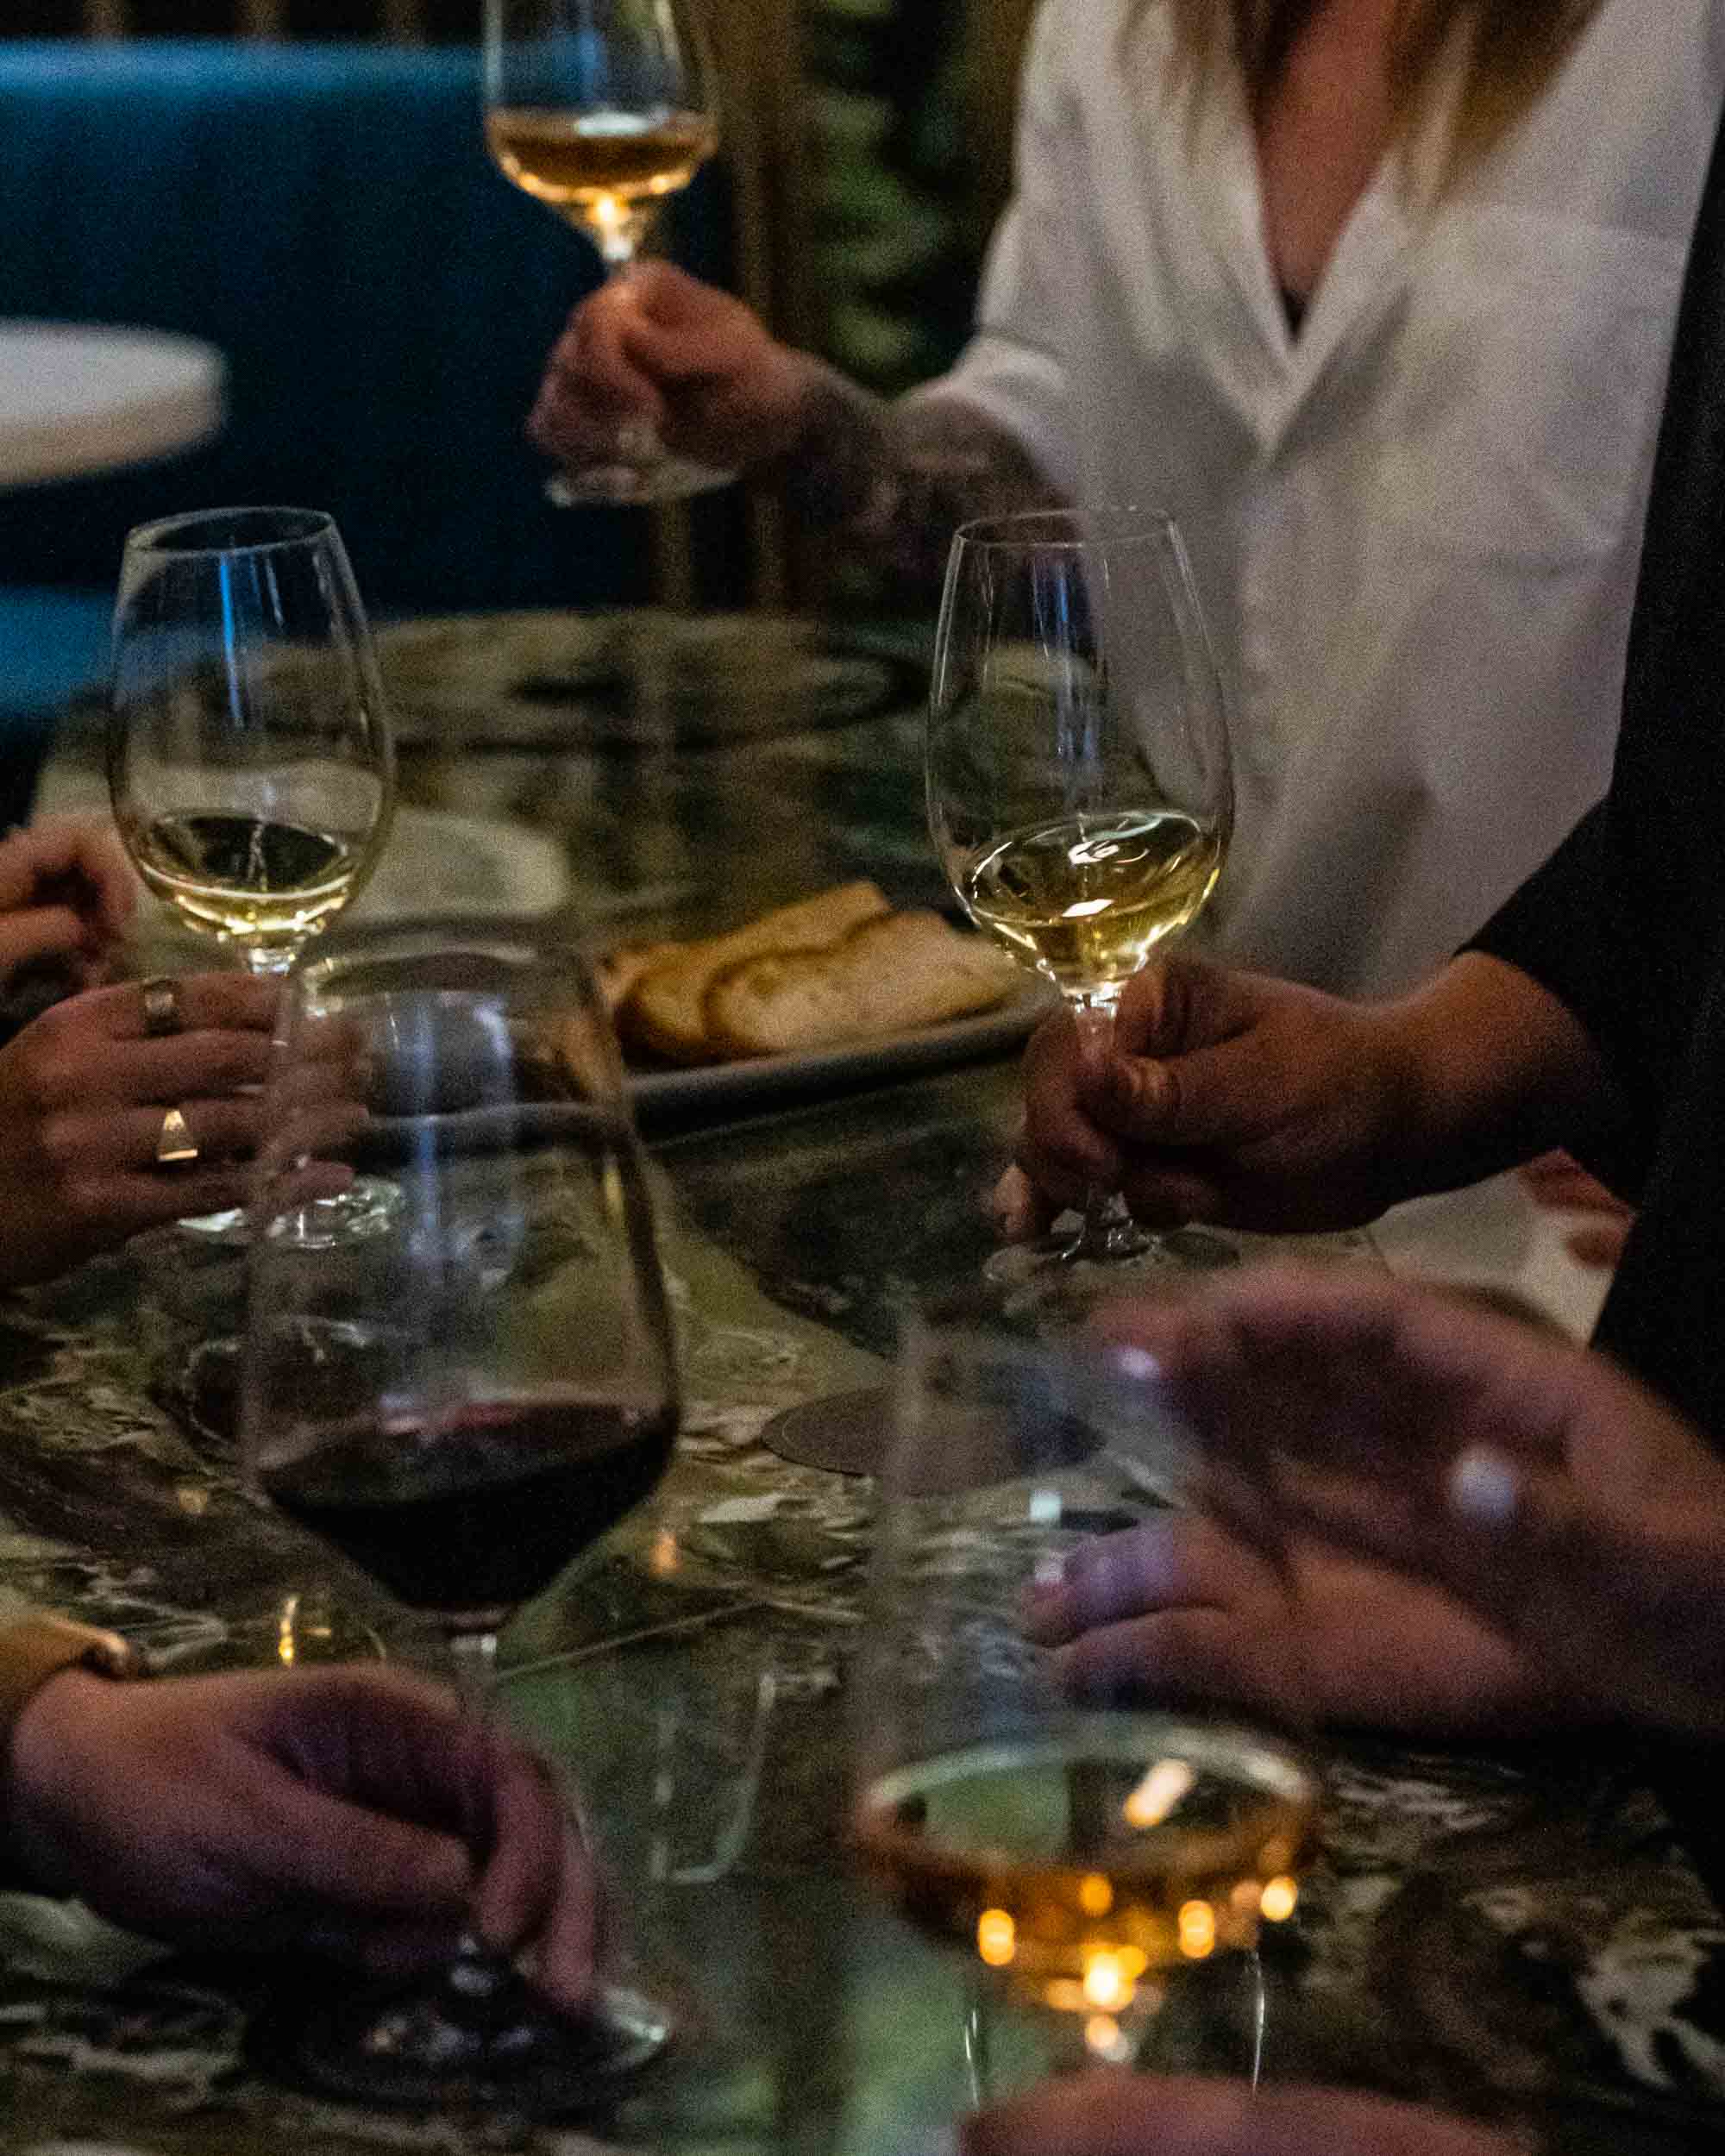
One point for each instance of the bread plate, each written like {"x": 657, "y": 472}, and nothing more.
{"x": 757, "y": 1082}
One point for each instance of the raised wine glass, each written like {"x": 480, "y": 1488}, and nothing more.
{"x": 1079, "y": 783}
{"x": 602, "y": 110}
{"x": 250, "y": 757}
{"x": 1099, "y": 1861}
{"x": 463, "y": 1406}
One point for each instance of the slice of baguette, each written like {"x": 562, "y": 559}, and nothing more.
{"x": 889, "y": 974}
{"x": 665, "y": 1010}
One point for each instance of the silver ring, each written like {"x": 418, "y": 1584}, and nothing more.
{"x": 162, "y": 1014}
{"x": 175, "y": 1145}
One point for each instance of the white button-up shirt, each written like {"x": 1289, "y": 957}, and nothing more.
{"x": 1415, "y": 525}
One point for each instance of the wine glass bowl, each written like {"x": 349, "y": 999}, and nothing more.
{"x": 250, "y": 762}
{"x": 603, "y": 110}
{"x": 1080, "y": 785}
{"x": 1080, "y": 1852}
{"x": 464, "y": 1405}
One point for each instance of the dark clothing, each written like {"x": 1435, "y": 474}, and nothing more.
{"x": 1624, "y": 923}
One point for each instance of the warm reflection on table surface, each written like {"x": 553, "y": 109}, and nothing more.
{"x": 1508, "y": 1933}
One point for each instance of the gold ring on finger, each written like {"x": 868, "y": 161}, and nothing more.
{"x": 162, "y": 1014}
{"x": 175, "y": 1145}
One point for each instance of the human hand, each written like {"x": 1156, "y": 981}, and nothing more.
{"x": 66, "y": 893}
{"x": 1185, "y": 1607}
{"x": 1110, "y": 2112}
{"x": 658, "y": 347}
{"x": 1560, "y": 1184}
{"x": 353, "y": 1812}
{"x": 82, "y": 1096}
{"x": 1526, "y": 1478}
{"x": 1224, "y": 1096}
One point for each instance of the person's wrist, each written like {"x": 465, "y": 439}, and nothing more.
{"x": 53, "y": 1675}
{"x": 834, "y": 458}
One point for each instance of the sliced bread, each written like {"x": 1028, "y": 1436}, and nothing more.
{"x": 889, "y": 974}
{"x": 665, "y": 1010}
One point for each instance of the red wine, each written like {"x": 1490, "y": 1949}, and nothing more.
{"x": 480, "y": 1513}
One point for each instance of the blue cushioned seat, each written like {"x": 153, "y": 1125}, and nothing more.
{"x": 328, "y": 217}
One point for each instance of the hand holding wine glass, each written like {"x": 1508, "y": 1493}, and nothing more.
{"x": 251, "y": 762}
{"x": 602, "y": 110}
{"x": 1080, "y": 785}
{"x": 463, "y": 1406}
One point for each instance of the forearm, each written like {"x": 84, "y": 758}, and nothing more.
{"x": 895, "y": 478}
{"x": 1491, "y": 1069}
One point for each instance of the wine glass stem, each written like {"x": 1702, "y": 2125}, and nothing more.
{"x": 476, "y": 1971}
{"x": 473, "y": 1664}
{"x": 269, "y": 959}
{"x": 1105, "y": 1217}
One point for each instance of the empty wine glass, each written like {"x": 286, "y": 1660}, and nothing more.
{"x": 463, "y": 1406}
{"x": 1079, "y": 783}
{"x": 1085, "y": 1854}
{"x": 250, "y": 756}
{"x": 603, "y": 110}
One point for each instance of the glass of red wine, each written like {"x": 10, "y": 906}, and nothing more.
{"x": 464, "y": 1404}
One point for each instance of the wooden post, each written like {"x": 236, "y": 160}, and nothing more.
{"x": 262, "y": 19}
{"x": 994, "y": 34}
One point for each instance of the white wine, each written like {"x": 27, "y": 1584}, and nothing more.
{"x": 602, "y": 169}
{"x": 1088, "y": 898}
{"x": 269, "y": 886}
{"x": 1077, "y": 1865}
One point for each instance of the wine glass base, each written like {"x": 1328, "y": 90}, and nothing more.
{"x": 847, "y": 1433}
{"x": 1053, "y": 1280}
{"x": 368, "y": 1206}
{"x": 665, "y": 479}
{"x": 406, "y": 2051}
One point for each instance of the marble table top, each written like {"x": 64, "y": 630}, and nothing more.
{"x": 1513, "y": 1933}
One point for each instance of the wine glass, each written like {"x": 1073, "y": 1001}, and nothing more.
{"x": 462, "y": 1407}
{"x": 602, "y": 109}
{"x": 1079, "y": 779}
{"x": 250, "y": 758}
{"x": 1093, "y": 1858}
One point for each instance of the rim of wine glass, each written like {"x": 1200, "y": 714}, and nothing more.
{"x": 167, "y": 534}
{"x": 1116, "y": 521}
{"x": 504, "y": 935}
{"x": 517, "y": 937}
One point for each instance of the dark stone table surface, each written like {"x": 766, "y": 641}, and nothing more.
{"x": 1514, "y": 1933}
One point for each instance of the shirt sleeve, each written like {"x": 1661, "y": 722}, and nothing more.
{"x": 1553, "y": 926}
{"x": 1012, "y": 369}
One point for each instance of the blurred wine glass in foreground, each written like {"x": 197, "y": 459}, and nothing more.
{"x": 602, "y": 110}
{"x": 462, "y": 1405}
{"x": 1081, "y": 1853}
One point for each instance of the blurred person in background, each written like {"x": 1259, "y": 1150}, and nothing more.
{"x": 1376, "y": 297}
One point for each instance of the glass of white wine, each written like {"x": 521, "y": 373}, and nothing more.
{"x": 250, "y": 759}
{"x": 1079, "y": 776}
{"x": 1105, "y": 1865}
{"x": 602, "y": 110}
